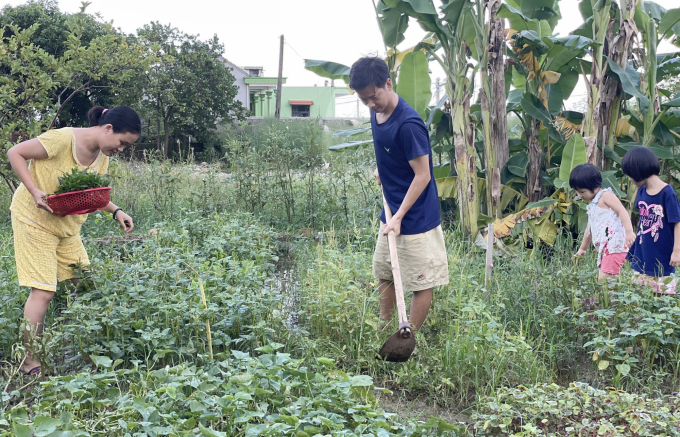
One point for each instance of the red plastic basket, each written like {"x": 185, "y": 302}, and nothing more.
{"x": 79, "y": 202}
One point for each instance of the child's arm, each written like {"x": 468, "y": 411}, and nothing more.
{"x": 675, "y": 256}
{"x": 18, "y": 155}
{"x": 587, "y": 239}
{"x": 615, "y": 204}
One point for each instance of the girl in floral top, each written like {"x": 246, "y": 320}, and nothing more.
{"x": 609, "y": 225}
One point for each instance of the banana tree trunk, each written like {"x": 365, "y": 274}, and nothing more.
{"x": 618, "y": 45}
{"x": 496, "y": 95}
{"x": 499, "y": 116}
{"x": 490, "y": 162}
{"x": 534, "y": 186}
{"x": 648, "y": 82}
{"x": 463, "y": 142}
{"x": 591, "y": 124}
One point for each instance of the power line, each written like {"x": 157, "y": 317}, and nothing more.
{"x": 285, "y": 41}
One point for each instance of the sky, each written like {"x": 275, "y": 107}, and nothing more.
{"x": 339, "y": 31}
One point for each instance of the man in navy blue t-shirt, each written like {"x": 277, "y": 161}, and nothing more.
{"x": 404, "y": 160}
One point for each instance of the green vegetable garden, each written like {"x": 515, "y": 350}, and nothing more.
{"x": 244, "y": 304}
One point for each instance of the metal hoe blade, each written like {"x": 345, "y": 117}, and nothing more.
{"x": 398, "y": 349}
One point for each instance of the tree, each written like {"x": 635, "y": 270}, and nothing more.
{"x": 188, "y": 89}
{"x": 51, "y": 35}
{"x": 36, "y": 86}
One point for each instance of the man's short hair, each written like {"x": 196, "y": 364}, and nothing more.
{"x": 368, "y": 71}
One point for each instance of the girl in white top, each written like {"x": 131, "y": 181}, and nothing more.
{"x": 609, "y": 225}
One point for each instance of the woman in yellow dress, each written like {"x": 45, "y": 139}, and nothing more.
{"x": 45, "y": 244}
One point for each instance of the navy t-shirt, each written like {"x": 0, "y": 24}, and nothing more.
{"x": 398, "y": 140}
{"x": 651, "y": 252}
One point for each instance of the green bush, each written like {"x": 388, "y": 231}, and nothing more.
{"x": 269, "y": 395}
{"x": 549, "y": 409}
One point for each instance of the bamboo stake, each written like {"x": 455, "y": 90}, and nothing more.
{"x": 205, "y": 304}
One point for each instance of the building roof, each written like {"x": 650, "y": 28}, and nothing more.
{"x": 235, "y": 67}
{"x": 259, "y": 79}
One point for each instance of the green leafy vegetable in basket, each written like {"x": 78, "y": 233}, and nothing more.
{"x": 79, "y": 180}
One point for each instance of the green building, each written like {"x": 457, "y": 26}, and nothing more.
{"x": 303, "y": 101}
{"x": 257, "y": 92}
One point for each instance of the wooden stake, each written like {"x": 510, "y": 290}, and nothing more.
{"x": 489, "y": 256}
{"x": 279, "y": 82}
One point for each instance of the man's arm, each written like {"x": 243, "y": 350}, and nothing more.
{"x": 421, "y": 168}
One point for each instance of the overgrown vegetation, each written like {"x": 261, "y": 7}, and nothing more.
{"x": 244, "y": 303}
{"x": 131, "y": 353}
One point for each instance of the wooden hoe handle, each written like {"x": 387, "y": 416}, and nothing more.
{"x": 404, "y": 326}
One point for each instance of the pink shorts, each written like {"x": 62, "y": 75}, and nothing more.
{"x": 611, "y": 264}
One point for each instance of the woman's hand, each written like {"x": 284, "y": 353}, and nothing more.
{"x": 39, "y": 198}
{"x": 125, "y": 221}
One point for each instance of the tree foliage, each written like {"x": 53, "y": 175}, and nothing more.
{"x": 188, "y": 87}
{"x": 55, "y": 66}
{"x": 36, "y": 86}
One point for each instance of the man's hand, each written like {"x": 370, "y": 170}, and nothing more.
{"x": 39, "y": 198}
{"x": 125, "y": 221}
{"x": 393, "y": 225}
{"x": 675, "y": 258}
{"x": 377, "y": 176}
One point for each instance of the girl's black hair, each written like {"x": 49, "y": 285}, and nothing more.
{"x": 122, "y": 118}
{"x": 585, "y": 177}
{"x": 640, "y": 163}
{"x": 368, "y": 71}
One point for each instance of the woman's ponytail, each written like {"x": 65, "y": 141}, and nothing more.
{"x": 122, "y": 118}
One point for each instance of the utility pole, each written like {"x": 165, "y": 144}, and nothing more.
{"x": 279, "y": 82}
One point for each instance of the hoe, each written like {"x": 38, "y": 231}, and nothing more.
{"x": 399, "y": 347}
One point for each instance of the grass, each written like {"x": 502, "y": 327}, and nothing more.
{"x": 132, "y": 354}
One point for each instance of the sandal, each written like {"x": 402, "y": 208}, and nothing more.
{"x": 33, "y": 372}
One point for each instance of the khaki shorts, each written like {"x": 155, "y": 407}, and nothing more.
{"x": 43, "y": 258}
{"x": 422, "y": 259}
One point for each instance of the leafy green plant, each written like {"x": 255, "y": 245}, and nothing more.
{"x": 548, "y": 409}
{"x": 79, "y": 180}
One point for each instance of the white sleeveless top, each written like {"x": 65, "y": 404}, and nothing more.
{"x": 609, "y": 235}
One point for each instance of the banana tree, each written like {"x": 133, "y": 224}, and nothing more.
{"x": 539, "y": 219}
{"x": 655, "y": 24}
{"x": 597, "y": 14}
{"x": 617, "y": 43}
{"x": 654, "y": 113}
{"x": 489, "y": 43}
{"x": 545, "y": 70}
